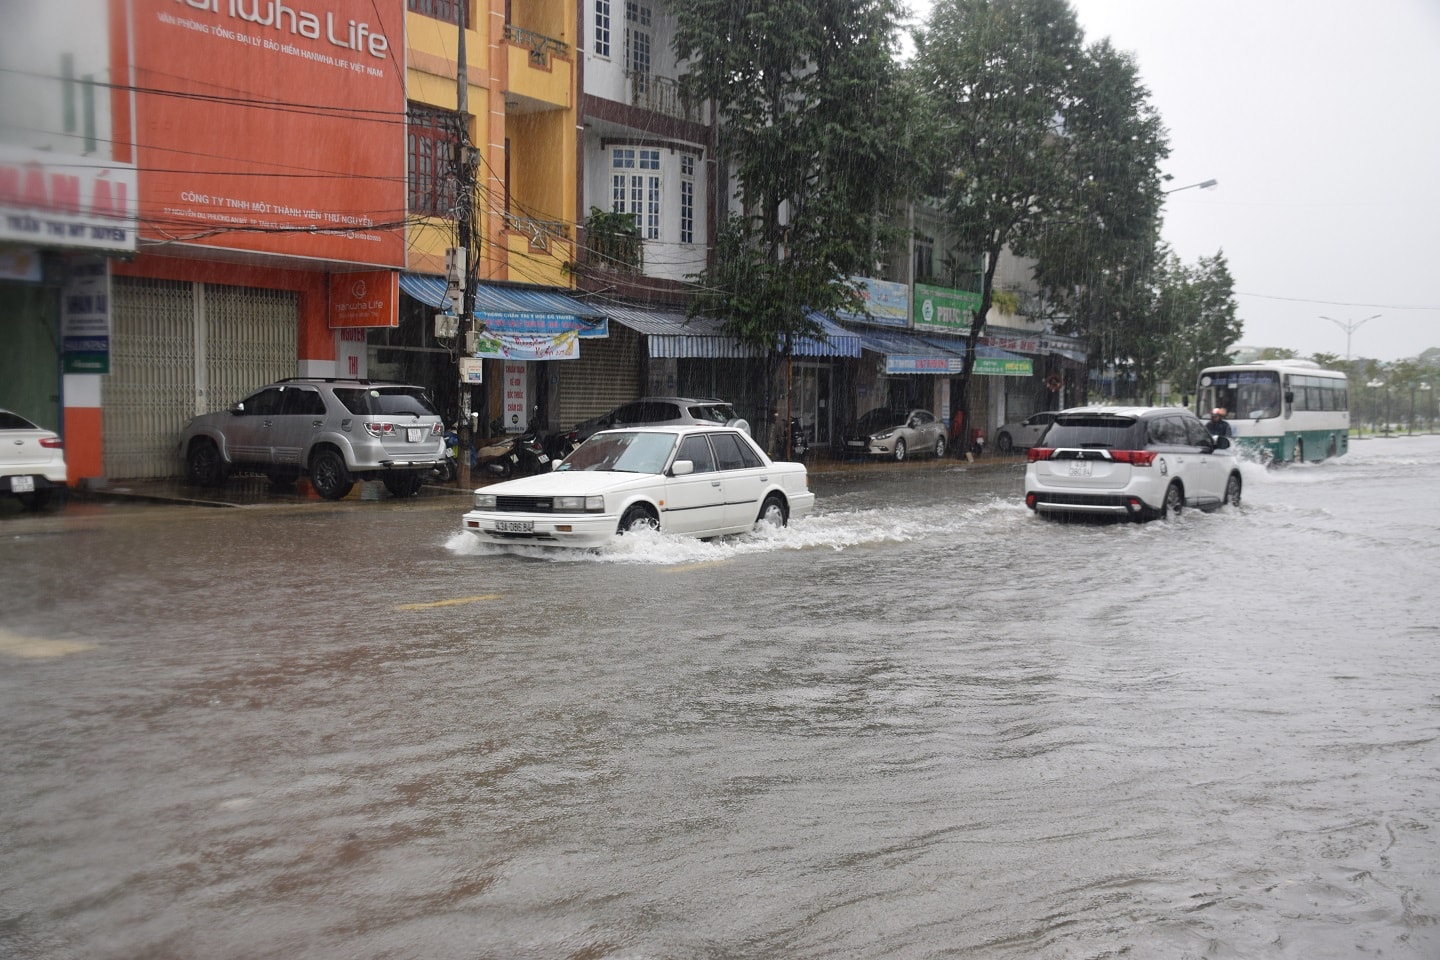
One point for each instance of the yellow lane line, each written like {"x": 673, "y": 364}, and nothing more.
{"x": 457, "y": 601}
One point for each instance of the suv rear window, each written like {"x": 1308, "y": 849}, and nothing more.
{"x": 1091, "y": 430}
{"x": 386, "y": 401}
{"x": 716, "y": 412}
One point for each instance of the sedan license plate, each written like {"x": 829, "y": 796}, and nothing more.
{"x": 1080, "y": 468}
{"x": 514, "y": 526}
{"x": 22, "y": 484}
{"x": 414, "y": 434}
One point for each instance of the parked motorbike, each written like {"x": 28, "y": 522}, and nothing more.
{"x": 449, "y": 467}
{"x": 512, "y": 455}
{"x": 799, "y": 441}
{"x": 561, "y": 445}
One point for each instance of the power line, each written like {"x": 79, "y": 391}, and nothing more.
{"x": 1335, "y": 303}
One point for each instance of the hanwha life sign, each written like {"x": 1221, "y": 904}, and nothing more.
{"x": 369, "y": 298}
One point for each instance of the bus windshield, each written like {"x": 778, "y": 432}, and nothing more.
{"x": 1243, "y": 394}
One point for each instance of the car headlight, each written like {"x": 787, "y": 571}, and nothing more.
{"x": 883, "y": 436}
{"x": 595, "y": 504}
{"x": 484, "y": 501}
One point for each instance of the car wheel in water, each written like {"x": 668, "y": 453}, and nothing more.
{"x": 1232, "y": 490}
{"x": 328, "y": 475}
{"x": 939, "y": 447}
{"x": 404, "y": 484}
{"x": 1174, "y": 501}
{"x": 772, "y": 513}
{"x": 1004, "y": 444}
{"x": 637, "y": 518}
{"x": 204, "y": 466}
{"x": 899, "y": 450}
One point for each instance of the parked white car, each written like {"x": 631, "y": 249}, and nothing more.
{"x": 1138, "y": 463}
{"x": 697, "y": 480}
{"x": 1024, "y": 434}
{"x": 32, "y": 461}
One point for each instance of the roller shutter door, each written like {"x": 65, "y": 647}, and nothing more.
{"x": 608, "y": 372}
{"x": 178, "y": 349}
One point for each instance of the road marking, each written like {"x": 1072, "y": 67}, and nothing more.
{"x": 457, "y": 601}
{"x": 34, "y": 648}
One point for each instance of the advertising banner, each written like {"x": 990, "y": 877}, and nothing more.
{"x": 541, "y": 324}
{"x": 505, "y": 346}
{"x": 273, "y": 127}
{"x": 85, "y": 316}
{"x": 887, "y": 304}
{"x": 942, "y": 310}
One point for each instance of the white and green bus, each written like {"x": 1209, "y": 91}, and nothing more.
{"x": 1283, "y": 410}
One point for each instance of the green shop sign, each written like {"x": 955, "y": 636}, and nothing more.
{"x": 1002, "y": 367}
{"x": 942, "y": 310}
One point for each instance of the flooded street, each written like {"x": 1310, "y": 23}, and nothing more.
{"x": 921, "y": 723}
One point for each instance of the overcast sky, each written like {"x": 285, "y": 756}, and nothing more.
{"x": 1321, "y": 121}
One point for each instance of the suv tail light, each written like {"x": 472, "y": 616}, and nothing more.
{"x": 1038, "y": 453}
{"x": 1136, "y": 458}
{"x": 380, "y": 429}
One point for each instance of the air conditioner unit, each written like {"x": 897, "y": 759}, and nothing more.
{"x": 446, "y": 326}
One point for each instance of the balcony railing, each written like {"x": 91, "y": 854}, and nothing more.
{"x": 662, "y": 95}
{"x": 542, "y": 48}
{"x": 540, "y": 232}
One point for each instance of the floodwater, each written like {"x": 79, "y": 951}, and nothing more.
{"x": 922, "y": 723}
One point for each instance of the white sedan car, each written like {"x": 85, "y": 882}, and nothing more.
{"x": 32, "y": 461}
{"x": 697, "y": 480}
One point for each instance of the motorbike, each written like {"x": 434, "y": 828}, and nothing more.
{"x": 512, "y": 455}
{"x": 799, "y": 441}
{"x": 449, "y": 467}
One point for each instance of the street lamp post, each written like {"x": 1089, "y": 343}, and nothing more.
{"x": 1374, "y": 406}
{"x": 1350, "y": 326}
{"x": 1203, "y": 185}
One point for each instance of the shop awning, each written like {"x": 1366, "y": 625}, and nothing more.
{"x": 670, "y": 334}
{"x": 504, "y": 308}
{"x": 906, "y": 354}
{"x": 989, "y": 361}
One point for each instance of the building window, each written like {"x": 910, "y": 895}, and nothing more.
{"x": 442, "y": 9}
{"x": 432, "y": 141}
{"x": 602, "y": 28}
{"x": 637, "y": 44}
{"x": 635, "y": 187}
{"x": 687, "y": 199}
{"x": 924, "y": 258}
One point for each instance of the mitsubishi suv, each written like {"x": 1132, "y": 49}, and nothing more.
{"x": 1138, "y": 463}
{"x": 335, "y": 431}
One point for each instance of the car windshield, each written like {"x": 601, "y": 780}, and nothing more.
{"x": 1091, "y": 431}
{"x": 622, "y": 452}
{"x": 879, "y": 419}
{"x": 386, "y": 401}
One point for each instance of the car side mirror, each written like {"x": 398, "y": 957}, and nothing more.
{"x": 681, "y": 467}
{"x": 238, "y": 408}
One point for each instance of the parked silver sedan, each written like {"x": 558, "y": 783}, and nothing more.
{"x": 896, "y": 434}
{"x": 1024, "y": 434}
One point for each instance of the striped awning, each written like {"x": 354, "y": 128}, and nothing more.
{"x": 671, "y": 334}
{"x": 502, "y": 300}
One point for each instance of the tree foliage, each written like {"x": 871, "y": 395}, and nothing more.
{"x": 814, "y": 118}
{"x": 1050, "y": 148}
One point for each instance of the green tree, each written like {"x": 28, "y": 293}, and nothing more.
{"x": 1050, "y": 149}
{"x": 1206, "y": 330}
{"x": 814, "y": 119}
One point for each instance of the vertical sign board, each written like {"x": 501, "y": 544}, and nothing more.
{"x": 517, "y": 414}
{"x": 85, "y": 316}
{"x": 271, "y": 127}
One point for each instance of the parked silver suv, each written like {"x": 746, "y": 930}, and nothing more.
{"x": 336, "y": 431}
{"x": 1135, "y": 462}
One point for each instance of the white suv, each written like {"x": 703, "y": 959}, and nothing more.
{"x": 1134, "y": 462}
{"x": 337, "y": 431}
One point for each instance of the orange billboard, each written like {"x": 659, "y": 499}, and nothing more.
{"x": 370, "y": 298}
{"x": 272, "y": 126}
